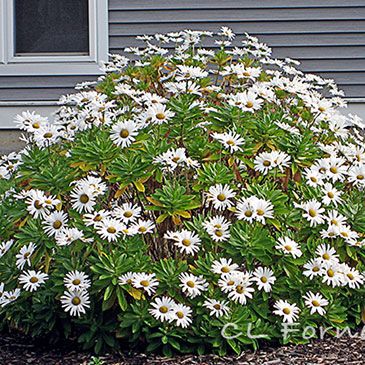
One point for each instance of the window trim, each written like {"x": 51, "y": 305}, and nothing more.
{"x": 54, "y": 65}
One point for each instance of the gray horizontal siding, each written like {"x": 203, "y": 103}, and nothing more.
{"x": 327, "y": 36}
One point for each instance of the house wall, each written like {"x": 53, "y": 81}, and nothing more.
{"x": 327, "y": 36}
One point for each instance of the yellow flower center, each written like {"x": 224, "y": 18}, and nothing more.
{"x": 218, "y": 233}
{"x": 111, "y": 230}
{"x": 57, "y": 224}
{"x": 248, "y": 213}
{"x": 160, "y": 116}
{"x": 98, "y": 218}
{"x": 142, "y": 229}
{"x": 225, "y": 269}
{"x": 286, "y": 311}
{"x": 38, "y": 204}
{"x": 145, "y": 283}
{"x": 330, "y": 273}
{"x": 84, "y": 198}
{"x": 124, "y": 133}
{"x": 76, "y": 300}
{"x": 264, "y": 279}
{"x": 315, "y": 303}
{"x": 312, "y": 213}
{"x": 221, "y": 197}
{"x": 266, "y": 163}
{"x": 350, "y": 276}
{"x": 217, "y": 306}
{"x": 48, "y": 135}
{"x": 128, "y": 214}
{"x": 36, "y": 125}
{"x": 190, "y": 284}
{"x": 33, "y": 280}
{"x": 360, "y": 177}
{"x": 330, "y": 195}
{"x": 240, "y": 289}
{"x": 76, "y": 282}
{"x": 326, "y": 256}
{"x": 163, "y": 309}
{"x": 249, "y": 104}
{"x": 179, "y": 314}
{"x": 186, "y": 242}
{"x": 288, "y": 247}
{"x": 260, "y": 212}
{"x": 334, "y": 170}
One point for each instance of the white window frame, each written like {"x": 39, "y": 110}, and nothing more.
{"x": 12, "y": 65}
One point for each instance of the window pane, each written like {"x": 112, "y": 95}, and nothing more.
{"x": 51, "y": 26}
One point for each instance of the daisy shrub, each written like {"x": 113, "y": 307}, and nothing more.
{"x": 190, "y": 200}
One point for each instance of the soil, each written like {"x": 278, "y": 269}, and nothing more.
{"x": 16, "y": 350}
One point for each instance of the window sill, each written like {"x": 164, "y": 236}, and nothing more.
{"x": 50, "y": 69}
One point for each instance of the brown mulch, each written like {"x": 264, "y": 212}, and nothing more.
{"x": 334, "y": 351}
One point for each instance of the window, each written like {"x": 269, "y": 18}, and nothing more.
{"x": 52, "y": 37}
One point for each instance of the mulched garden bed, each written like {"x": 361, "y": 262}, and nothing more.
{"x": 334, "y": 351}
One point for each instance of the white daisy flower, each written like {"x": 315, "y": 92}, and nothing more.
{"x": 264, "y": 278}
{"x": 289, "y": 247}
{"x": 332, "y": 275}
{"x": 76, "y": 302}
{"x": 313, "y": 268}
{"x": 220, "y": 196}
{"x": 188, "y": 242}
{"x": 147, "y": 282}
{"x": 241, "y": 290}
{"x": 127, "y": 212}
{"x": 315, "y": 302}
{"x": 247, "y": 101}
{"x": 331, "y": 195}
{"x": 326, "y": 253}
{"x": 143, "y": 226}
{"x": 192, "y": 285}
{"x": 69, "y": 235}
{"x": 9, "y": 297}
{"x": 289, "y": 312}
{"x": 124, "y": 133}
{"x": 217, "y": 308}
{"x": 218, "y": 228}
{"x": 82, "y": 200}
{"x": 5, "y": 247}
{"x": 24, "y": 255}
{"x": 230, "y": 140}
{"x": 76, "y": 280}
{"x": 95, "y": 218}
{"x": 356, "y": 175}
{"x": 223, "y": 266}
{"x": 162, "y": 308}
{"x": 312, "y": 212}
{"x": 336, "y": 219}
{"x": 32, "y": 280}
{"x": 158, "y": 114}
{"x": 267, "y": 161}
{"x": 110, "y": 229}
{"x": 352, "y": 277}
{"x": 181, "y": 314}
{"x": 55, "y": 222}
{"x": 126, "y": 279}
{"x": 313, "y": 177}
